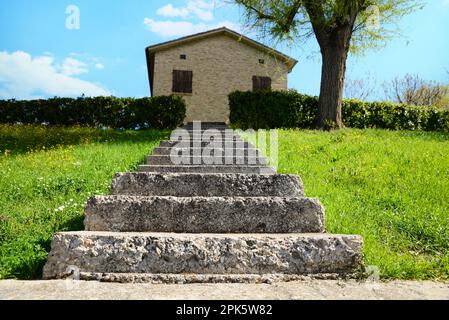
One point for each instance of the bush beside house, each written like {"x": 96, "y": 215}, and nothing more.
{"x": 289, "y": 109}
{"x": 164, "y": 112}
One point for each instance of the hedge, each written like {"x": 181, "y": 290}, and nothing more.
{"x": 289, "y": 109}
{"x": 164, "y": 112}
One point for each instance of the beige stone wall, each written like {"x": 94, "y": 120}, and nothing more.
{"x": 220, "y": 65}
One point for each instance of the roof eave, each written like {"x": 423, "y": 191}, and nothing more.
{"x": 291, "y": 63}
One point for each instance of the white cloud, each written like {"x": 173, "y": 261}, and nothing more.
{"x": 172, "y": 12}
{"x": 25, "y": 77}
{"x": 75, "y": 67}
{"x": 183, "y": 28}
{"x": 198, "y": 8}
{"x": 195, "y": 16}
{"x": 202, "y": 9}
{"x": 99, "y": 66}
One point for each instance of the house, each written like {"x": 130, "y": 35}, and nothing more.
{"x": 205, "y": 67}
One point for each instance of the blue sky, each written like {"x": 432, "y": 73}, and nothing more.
{"x": 41, "y": 57}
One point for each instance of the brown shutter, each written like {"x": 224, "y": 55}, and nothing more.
{"x": 188, "y": 81}
{"x": 256, "y": 83}
{"x": 176, "y": 85}
{"x": 261, "y": 83}
{"x": 266, "y": 83}
{"x": 182, "y": 81}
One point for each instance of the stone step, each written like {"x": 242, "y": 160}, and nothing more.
{"x": 203, "y": 137}
{"x": 211, "y": 131}
{"x": 204, "y": 214}
{"x": 162, "y": 253}
{"x": 193, "y": 160}
{"x": 209, "y": 135}
{"x": 205, "y": 127}
{"x": 202, "y": 144}
{"x": 192, "y": 151}
{"x": 205, "y": 123}
{"x": 206, "y": 185}
{"x": 183, "y": 278}
{"x": 207, "y": 169}
{"x": 236, "y": 140}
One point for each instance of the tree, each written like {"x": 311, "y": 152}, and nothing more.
{"x": 360, "y": 89}
{"x": 339, "y": 26}
{"x": 413, "y": 90}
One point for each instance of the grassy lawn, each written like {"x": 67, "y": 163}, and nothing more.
{"x": 390, "y": 187}
{"x": 46, "y": 177}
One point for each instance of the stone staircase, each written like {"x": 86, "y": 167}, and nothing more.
{"x": 234, "y": 220}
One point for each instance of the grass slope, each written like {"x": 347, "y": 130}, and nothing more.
{"x": 46, "y": 177}
{"x": 391, "y": 187}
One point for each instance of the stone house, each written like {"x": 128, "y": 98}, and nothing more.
{"x": 205, "y": 67}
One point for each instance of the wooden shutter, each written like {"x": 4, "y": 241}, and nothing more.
{"x": 266, "y": 83}
{"x": 261, "y": 83}
{"x": 182, "y": 81}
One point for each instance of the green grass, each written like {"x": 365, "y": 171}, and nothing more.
{"x": 46, "y": 177}
{"x": 392, "y": 187}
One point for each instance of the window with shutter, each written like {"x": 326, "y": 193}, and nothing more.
{"x": 182, "y": 81}
{"x": 261, "y": 83}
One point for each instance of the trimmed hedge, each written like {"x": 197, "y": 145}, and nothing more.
{"x": 164, "y": 112}
{"x": 289, "y": 109}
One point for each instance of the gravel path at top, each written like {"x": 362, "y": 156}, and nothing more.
{"x": 308, "y": 289}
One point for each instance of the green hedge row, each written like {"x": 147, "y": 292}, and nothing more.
{"x": 164, "y": 112}
{"x": 289, "y": 109}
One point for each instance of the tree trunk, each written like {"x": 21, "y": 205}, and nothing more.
{"x": 332, "y": 82}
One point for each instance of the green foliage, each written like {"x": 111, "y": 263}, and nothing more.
{"x": 272, "y": 109}
{"x": 375, "y": 24}
{"x": 378, "y": 23}
{"x": 165, "y": 112}
{"x": 289, "y": 109}
{"x": 47, "y": 175}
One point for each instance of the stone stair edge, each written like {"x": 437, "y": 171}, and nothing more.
{"x": 176, "y": 174}
{"x": 236, "y": 198}
{"x": 212, "y": 235}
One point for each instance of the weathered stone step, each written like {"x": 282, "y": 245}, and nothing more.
{"x": 206, "y": 185}
{"x": 192, "y": 151}
{"x": 222, "y": 131}
{"x": 162, "y": 253}
{"x": 206, "y": 123}
{"x": 209, "y": 135}
{"x": 204, "y": 214}
{"x": 205, "y": 127}
{"x": 202, "y": 144}
{"x": 202, "y": 129}
{"x": 183, "y": 278}
{"x": 203, "y": 135}
{"x": 193, "y": 160}
{"x": 236, "y": 140}
{"x": 207, "y": 169}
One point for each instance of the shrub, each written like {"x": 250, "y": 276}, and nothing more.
{"x": 164, "y": 112}
{"x": 289, "y": 109}
{"x": 272, "y": 109}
